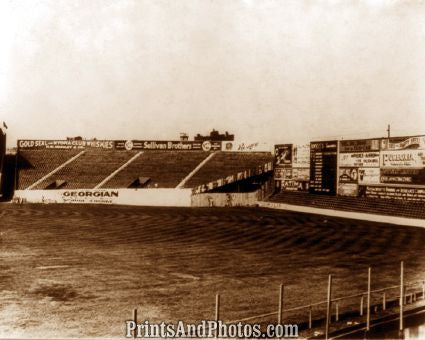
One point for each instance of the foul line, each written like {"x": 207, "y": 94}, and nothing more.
{"x": 55, "y": 170}
{"x": 413, "y": 222}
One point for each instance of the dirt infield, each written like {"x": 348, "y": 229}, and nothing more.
{"x": 73, "y": 271}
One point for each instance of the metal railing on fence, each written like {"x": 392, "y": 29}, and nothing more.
{"x": 403, "y": 298}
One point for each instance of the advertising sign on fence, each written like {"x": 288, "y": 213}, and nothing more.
{"x": 403, "y": 159}
{"x": 403, "y": 143}
{"x": 168, "y": 145}
{"x": 301, "y": 174}
{"x": 148, "y": 197}
{"x": 301, "y": 156}
{"x": 283, "y": 155}
{"x": 348, "y": 175}
{"x": 243, "y": 146}
{"x": 400, "y": 176}
{"x": 369, "y": 175}
{"x": 400, "y": 193}
{"x": 359, "y": 145}
{"x": 64, "y": 144}
{"x": 359, "y": 159}
{"x": 348, "y": 189}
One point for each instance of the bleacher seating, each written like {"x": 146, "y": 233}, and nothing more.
{"x": 356, "y": 204}
{"x": 89, "y": 169}
{"x": 159, "y": 169}
{"x": 224, "y": 164}
{"x": 166, "y": 169}
{"x": 34, "y": 164}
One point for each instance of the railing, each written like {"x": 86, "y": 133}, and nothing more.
{"x": 408, "y": 293}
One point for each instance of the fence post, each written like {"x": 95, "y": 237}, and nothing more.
{"x": 135, "y": 321}
{"x": 280, "y": 311}
{"x": 423, "y": 290}
{"x": 310, "y": 317}
{"x": 361, "y": 305}
{"x": 401, "y": 294}
{"x": 369, "y": 273}
{"x": 217, "y": 312}
{"x": 384, "y": 301}
{"x": 328, "y": 307}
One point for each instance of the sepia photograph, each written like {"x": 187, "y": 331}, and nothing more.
{"x": 212, "y": 169}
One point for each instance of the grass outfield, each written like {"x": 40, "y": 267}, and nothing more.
{"x": 74, "y": 271}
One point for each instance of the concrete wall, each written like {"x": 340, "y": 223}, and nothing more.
{"x": 225, "y": 199}
{"x": 146, "y": 197}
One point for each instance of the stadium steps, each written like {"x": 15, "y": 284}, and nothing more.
{"x": 354, "y": 204}
{"x": 225, "y": 164}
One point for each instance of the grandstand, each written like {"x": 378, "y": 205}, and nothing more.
{"x": 95, "y": 168}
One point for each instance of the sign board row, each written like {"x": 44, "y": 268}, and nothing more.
{"x": 384, "y": 159}
{"x": 239, "y": 146}
{"x": 120, "y": 145}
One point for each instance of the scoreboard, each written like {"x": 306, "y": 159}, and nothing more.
{"x": 323, "y": 167}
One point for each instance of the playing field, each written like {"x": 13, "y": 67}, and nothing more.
{"x": 74, "y": 271}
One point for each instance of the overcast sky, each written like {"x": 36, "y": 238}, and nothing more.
{"x": 276, "y": 71}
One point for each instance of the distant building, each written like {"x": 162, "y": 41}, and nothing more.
{"x": 184, "y": 137}
{"x": 215, "y": 136}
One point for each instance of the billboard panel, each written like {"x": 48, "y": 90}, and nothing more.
{"x": 348, "y": 189}
{"x": 35, "y": 144}
{"x": 403, "y": 159}
{"x": 244, "y": 146}
{"x": 359, "y": 159}
{"x": 283, "y": 155}
{"x": 301, "y": 174}
{"x": 403, "y": 143}
{"x": 359, "y": 145}
{"x": 348, "y": 175}
{"x": 399, "y": 193}
{"x": 301, "y": 156}
{"x": 168, "y": 145}
{"x": 400, "y": 176}
{"x": 293, "y": 185}
{"x": 369, "y": 176}
{"x": 323, "y": 163}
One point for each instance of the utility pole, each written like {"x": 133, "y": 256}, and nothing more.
{"x": 389, "y": 130}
